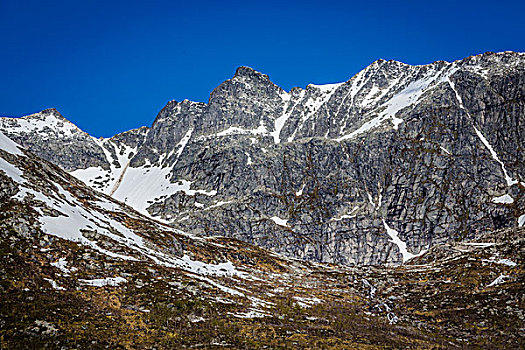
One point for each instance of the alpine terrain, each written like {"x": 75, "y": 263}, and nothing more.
{"x": 386, "y": 211}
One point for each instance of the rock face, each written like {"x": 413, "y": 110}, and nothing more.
{"x": 372, "y": 170}
{"x": 114, "y": 278}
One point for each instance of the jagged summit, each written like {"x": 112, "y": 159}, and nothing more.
{"x": 381, "y": 64}
{"x": 248, "y": 72}
{"x": 49, "y": 117}
{"x": 47, "y": 111}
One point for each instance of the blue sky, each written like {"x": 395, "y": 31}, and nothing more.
{"x": 110, "y": 66}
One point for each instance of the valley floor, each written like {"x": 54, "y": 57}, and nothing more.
{"x": 464, "y": 295}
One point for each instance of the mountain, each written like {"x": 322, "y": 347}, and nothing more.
{"x": 80, "y": 270}
{"x": 374, "y": 170}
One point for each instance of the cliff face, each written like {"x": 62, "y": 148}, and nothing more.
{"x": 373, "y": 170}
{"x": 79, "y": 267}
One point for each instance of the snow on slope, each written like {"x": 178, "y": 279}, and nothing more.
{"x": 49, "y": 124}
{"x": 356, "y": 84}
{"x": 141, "y": 186}
{"x": 510, "y": 181}
{"x": 76, "y": 220}
{"x": 287, "y": 112}
{"x": 407, "y": 97}
{"x": 183, "y": 142}
{"x": 413, "y": 92}
{"x": 106, "y": 180}
{"x": 9, "y": 146}
{"x": 394, "y": 235}
{"x": 312, "y": 104}
{"x": 41, "y": 123}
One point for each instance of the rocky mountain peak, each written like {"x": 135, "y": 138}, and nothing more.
{"x": 47, "y": 111}
{"x": 245, "y": 72}
{"x": 377, "y": 169}
{"x": 51, "y": 118}
{"x": 52, "y": 136}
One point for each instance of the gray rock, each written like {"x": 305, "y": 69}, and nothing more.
{"x": 318, "y": 173}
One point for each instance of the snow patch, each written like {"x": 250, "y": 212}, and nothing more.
{"x": 345, "y": 216}
{"x": 369, "y": 285}
{"x": 396, "y": 121}
{"x": 279, "y": 221}
{"x": 312, "y": 105}
{"x": 12, "y": 171}
{"x": 102, "y": 282}
{"x": 61, "y": 264}
{"x": 234, "y": 130}
{"x": 394, "y": 235}
{"x": 505, "y": 199}
{"x": 226, "y": 269}
{"x": 444, "y": 150}
{"x": 300, "y": 192}
{"x": 307, "y": 302}
{"x": 248, "y": 158}
{"x": 409, "y": 95}
{"x": 141, "y": 187}
{"x": 252, "y": 313}
{"x": 405, "y": 98}
{"x": 495, "y": 260}
{"x": 480, "y": 244}
{"x": 507, "y": 262}
{"x": 510, "y": 181}
{"x": 218, "y": 204}
{"x": 9, "y": 145}
{"x": 501, "y": 279}
{"x": 107, "y": 181}
{"x": 54, "y": 284}
{"x": 369, "y": 125}
{"x": 392, "y": 318}
{"x": 281, "y": 120}
{"x": 183, "y": 142}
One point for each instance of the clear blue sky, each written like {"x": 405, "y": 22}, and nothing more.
{"x": 110, "y": 66}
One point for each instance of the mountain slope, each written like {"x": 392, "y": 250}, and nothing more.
{"x": 80, "y": 270}
{"x": 376, "y": 169}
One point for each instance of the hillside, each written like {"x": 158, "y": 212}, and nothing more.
{"x": 81, "y": 270}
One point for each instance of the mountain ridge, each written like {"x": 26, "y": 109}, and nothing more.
{"x": 241, "y": 68}
{"x": 291, "y": 161}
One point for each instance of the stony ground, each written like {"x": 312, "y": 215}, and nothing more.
{"x": 443, "y": 300}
